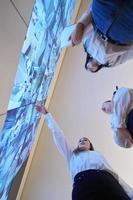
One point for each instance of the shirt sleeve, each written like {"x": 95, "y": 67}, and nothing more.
{"x": 123, "y": 101}
{"x": 58, "y": 137}
{"x": 124, "y": 57}
{"x": 108, "y": 168}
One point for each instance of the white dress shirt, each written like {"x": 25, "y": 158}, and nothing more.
{"x": 122, "y": 105}
{"x": 78, "y": 162}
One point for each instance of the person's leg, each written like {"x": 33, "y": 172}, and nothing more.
{"x": 130, "y": 122}
{"x": 84, "y": 191}
{"x": 110, "y": 188}
{"x": 97, "y": 185}
{"x": 83, "y": 187}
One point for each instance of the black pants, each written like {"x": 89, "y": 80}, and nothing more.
{"x": 130, "y": 122}
{"x": 97, "y": 185}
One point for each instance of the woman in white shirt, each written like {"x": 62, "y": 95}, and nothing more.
{"x": 102, "y": 51}
{"x": 120, "y": 109}
{"x": 93, "y": 178}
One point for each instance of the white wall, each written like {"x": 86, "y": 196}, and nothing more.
{"x": 76, "y": 106}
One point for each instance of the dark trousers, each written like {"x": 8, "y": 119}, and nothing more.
{"x": 97, "y": 185}
{"x": 130, "y": 122}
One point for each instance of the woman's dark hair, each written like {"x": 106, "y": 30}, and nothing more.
{"x": 107, "y": 101}
{"x": 77, "y": 150}
{"x": 115, "y": 91}
{"x": 89, "y": 58}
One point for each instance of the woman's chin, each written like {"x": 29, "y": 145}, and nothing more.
{"x": 82, "y": 148}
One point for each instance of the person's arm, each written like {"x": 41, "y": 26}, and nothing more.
{"x": 120, "y": 59}
{"x": 125, "y": 137}
{"x": 57, "y": 133}
{"x": 81, "y": 24}
{"x": 128, "y": 55}
{"x": 86, "y": 18}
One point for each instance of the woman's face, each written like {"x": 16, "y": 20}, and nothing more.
{"x": 93, "y": 66}
{"x": 107, "y": 107}
{"x": 84, "y": 144}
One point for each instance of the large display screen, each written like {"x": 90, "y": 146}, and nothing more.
{"x": 38, "y": 58}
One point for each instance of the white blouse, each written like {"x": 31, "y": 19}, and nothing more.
{"x": 123, "y": 103}
{"x": 81, "y": 161}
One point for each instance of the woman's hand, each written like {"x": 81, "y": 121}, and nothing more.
{"x": 77, "y": 34}
{"x": 41, "y": 108}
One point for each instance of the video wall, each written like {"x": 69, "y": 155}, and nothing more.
{"x": 38, "y": 58}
